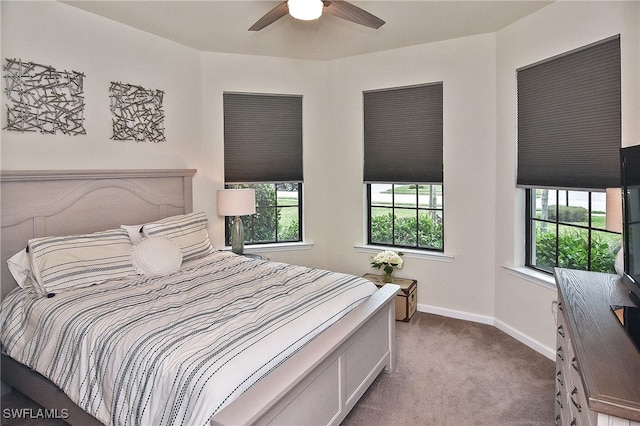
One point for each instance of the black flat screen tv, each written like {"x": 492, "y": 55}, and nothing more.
{"x": 630, "y": 170}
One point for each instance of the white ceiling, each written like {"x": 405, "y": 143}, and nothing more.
{"x": 222, "y": 26}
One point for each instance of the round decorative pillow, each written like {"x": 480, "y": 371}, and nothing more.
{"x": 156, "y": 256}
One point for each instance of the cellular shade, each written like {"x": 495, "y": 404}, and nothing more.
{"x": 569, "y": 119}
{"x": 262, "y": 138}
{"x": 403, "y": 134}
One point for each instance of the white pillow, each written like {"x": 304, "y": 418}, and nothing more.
{"x": 135, "y": 233}
{"x": 73, "y": 261}
{"x": 20, "y": 267}
{"x": 156, "y": 256}
{"x": 188, "y": 231}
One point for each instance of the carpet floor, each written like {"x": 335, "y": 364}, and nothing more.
{"x": 454, "y": 372}
{"x": 449, "y": 372}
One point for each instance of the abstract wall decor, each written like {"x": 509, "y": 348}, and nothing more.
{"x": 137, "y": 113}
{"x": 43, "y": 99}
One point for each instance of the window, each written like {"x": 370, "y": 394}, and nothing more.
{"x": 263, "y": 150}
{"x": 278, "y": 214}
{"x": 569, "y": 138}
{"x": 406, "y": 215}
{"x": 403, "y": 166}
{"x": 568, "y": 228}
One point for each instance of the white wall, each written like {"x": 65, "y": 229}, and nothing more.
{"x": 55, "y": 34}
{"x": 467, "y": 69}
{"x": 483, "y": 210}
{"x": 261, "y": 74}
{"x": 524, "y": 304}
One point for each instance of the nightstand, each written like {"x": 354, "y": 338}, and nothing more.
{"x": 407, "y": 298}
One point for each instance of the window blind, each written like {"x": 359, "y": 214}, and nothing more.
{"x": 262, "y": 138}
{"x": 569, "y": 119}
{"x": 403, "y": 134}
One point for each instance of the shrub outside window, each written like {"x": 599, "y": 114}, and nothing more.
{"x": 406, "y": 215}
{"x": 278, "y": 216}
{"x": 567, "y": 228}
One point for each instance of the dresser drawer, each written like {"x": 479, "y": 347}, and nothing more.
{"x": 577, "y": 397}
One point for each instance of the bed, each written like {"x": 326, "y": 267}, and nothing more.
{"x": 317, "y": 383}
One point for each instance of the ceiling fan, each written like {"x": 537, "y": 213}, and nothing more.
{"x": 312, "y": 9}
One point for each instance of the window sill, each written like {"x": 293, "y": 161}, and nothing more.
{"x": 410, "y": 253}
{"x": 531, "y": 275}
{"x": 274, "y": 247}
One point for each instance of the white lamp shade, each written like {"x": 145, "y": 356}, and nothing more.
{"x": 236, "y": 202}
{"x": 614, "y": 210}
{"x": 305, "y": 10}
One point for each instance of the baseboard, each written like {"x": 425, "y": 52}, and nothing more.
{"x": 484, "y": 319}
{"x": 452, "y": 313}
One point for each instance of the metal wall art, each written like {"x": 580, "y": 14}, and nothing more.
{"x": 137, "y": 113}
{"x": 41, "y": 98}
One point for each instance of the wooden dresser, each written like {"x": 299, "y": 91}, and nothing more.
{"x": 597, "y": 364}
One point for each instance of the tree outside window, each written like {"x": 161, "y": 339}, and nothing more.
{"x": 406, "y": 215}
{"x": 567, "y": 228}
{"x": 278, "y": 214}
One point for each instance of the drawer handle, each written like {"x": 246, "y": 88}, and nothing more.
{"x": 574, "y": 393}
{"x": 574, "y": 422}
{"x": 574, "y": 364}
{"x": 561, "y": 330}
{"x": 558, "y": 422}
{"x": 559, "y": 377}
{"x": 560, "y": 354}
{"x": 559, "y": 398}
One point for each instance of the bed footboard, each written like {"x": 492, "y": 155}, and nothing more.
{"x": 323, "y": 381}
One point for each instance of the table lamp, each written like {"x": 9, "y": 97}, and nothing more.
{"x": 236, "y": 203}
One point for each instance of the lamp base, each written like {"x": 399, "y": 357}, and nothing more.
{"x": 237, "y": 236}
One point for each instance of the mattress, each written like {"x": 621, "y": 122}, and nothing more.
{"x": 175, "y": 349}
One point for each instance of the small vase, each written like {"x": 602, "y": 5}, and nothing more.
{"x": 386, "y": 277}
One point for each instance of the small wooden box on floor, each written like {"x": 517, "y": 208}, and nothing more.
{"x": 406, "y": 300}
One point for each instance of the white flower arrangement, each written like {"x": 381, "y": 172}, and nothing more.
{"x": 387, "y": 260}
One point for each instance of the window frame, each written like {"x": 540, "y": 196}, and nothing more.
{"x": 249, "y": 220}
{"x": 403, "y": 145}
{"x": 568, "y": 139}
{"x": 530, "y": 228}
{"x": 418, "y": 210}
{"x": 263, "y": 145}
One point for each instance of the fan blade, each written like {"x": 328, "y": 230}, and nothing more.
{"x": 345, "y": 10}
{"x": 270, "y": 17}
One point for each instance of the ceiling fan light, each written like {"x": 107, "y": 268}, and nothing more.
{"x": 305, "y": 10}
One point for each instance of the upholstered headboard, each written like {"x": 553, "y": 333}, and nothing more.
{"x": 42, "y": 203}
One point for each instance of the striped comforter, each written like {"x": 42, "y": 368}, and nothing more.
{"x": 174, "y": 350}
